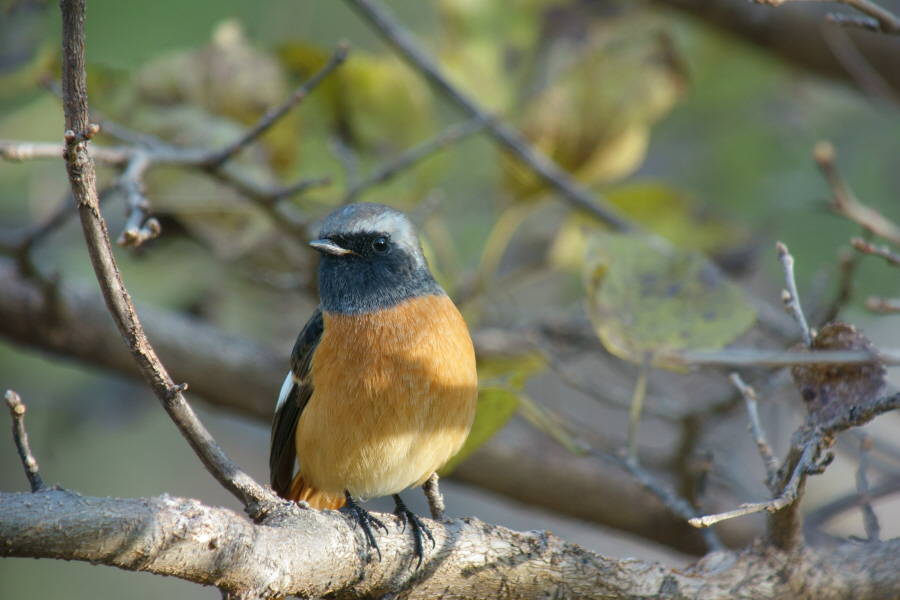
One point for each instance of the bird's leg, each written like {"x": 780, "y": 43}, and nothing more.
{"x": 418, "y": 527}
{"x": 435, "y": 499}
{"x": 365, "y": 520}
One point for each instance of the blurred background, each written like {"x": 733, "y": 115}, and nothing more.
{"x": 696, "y": 119}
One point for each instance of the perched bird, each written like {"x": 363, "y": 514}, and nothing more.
{"x": 382, "y": 387}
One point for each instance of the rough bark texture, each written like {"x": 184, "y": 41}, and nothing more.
{"x": 312, "y": 553}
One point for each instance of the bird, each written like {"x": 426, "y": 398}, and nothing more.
{"x": 382, "y": 387}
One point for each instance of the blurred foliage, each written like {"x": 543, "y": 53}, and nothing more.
{"x": 648, "y": 300}
{"x": 663, "y": 210}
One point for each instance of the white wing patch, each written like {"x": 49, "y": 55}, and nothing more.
{"x": 285, "y": 391}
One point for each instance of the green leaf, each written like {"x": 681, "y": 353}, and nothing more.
{"x": 495, "y": 407}
{"x": 647, "y": 299}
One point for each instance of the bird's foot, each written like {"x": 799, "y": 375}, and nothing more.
{"x": 416, "y": 524}
{"x": 364, "y": 519}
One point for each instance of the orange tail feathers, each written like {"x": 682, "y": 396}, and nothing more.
{"x": 300, "y": 490}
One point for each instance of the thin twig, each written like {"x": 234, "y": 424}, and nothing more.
{"x": 869, "y": 248}
{"x": 673, "y": 502}
{"x": 14, "y": 151}
{"x": 139, "y": 227}
{"x": 765, "y": 450}
{"x": 576, "y": 380}
{"x": 870, "y": 520}
{"x": 883, "y": 305}
{"x": 754, "y": 357}
{"x": 822, "y": 514}
{"x": 82, "y": 177}
{"x": 405, "y": 43}
{"x": 20, "y": 437}
{"x": 804, "y": 466}
{"x": 162, "y": 153}
{"x": 216, "y": 159}
{"x": 451, "y": 135}
{"x": 844, "y": 202}
{"x": 790, "y": 296}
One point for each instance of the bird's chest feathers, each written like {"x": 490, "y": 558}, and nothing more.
{"x": 393, "y": 398}
{"x": 396, "y": 356}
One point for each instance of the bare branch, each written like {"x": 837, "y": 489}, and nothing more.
{"x": 870, "y": 520}
{"x": 788, "y": 495}
{"x": 790, "y": 296}
{"x": 138, "y": 228}
{"x": 405, "y": 43}
{"x": 883, "y": 251}
{"x": 20, "y": 437}
{"x": 846, "y": 51}
{"x": 216, "y": 159}
{"x": 879, "y": 19}
{"x": 80, "y": 168}
{"x": 765, "y": 450}
{"x": 844, "y": 202}
{"x": 316, "y": 554}
{"x": 22, "y": 151}
{"x": 883, "y": 305}
{"x": 675, "y": 503}
{"x": 753, "y": 357}
{"x": 406, "y": 159}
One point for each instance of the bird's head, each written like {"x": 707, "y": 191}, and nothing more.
{"x": 371, "y": 260}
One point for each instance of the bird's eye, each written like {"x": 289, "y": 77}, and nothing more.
{"x": 381, "y": 245}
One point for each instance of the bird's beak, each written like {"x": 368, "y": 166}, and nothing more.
{"x": 329, "y": 247}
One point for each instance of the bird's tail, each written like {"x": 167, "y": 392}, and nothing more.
{"x": 318, "y": 499}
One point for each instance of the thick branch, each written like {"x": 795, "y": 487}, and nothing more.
{"x": 798, "y": 34}
{"x": 313, "y": 554}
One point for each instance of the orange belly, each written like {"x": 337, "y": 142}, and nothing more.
{"x": 393, "y": 399}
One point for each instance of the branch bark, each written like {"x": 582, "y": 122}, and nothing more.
{"x": 316, "y": 553}
{"x": 83, "y": 180}
{"x": 800, "y": 35}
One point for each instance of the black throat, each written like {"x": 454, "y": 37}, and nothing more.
{"x": 353, "y": 284}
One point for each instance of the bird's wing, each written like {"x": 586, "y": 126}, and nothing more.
{"x": 295, "y": 394}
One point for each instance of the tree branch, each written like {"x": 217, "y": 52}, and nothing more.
{"x": 796, "y": 34}
{"x": 82, "y": 177}
{"x": 554, "y": 176}
{"x": 316, "y": 553}
{"x": 218, "y": 158}
{"x": 20, "y": 437}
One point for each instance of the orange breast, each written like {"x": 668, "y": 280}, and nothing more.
{"x": 394, "y": 398}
